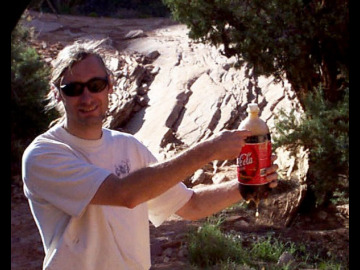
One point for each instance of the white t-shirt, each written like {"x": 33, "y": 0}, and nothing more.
{"x": 61, "y": 174}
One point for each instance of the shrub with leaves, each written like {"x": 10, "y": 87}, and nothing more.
{"x": 306, "y": 40}
{"x": 209, "y": 246}
{"x": 29, "y": 84}
{"x": 323, "y": 130}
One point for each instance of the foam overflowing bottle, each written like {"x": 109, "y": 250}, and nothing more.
{"x": 254, "y": 158}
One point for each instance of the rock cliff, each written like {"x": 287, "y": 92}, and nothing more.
{"x": 172, "y": 92}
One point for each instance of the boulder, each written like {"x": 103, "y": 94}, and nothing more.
{"x": 172, "y": 92}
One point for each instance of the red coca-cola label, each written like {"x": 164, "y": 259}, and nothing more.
{"x": 253, "y": 160}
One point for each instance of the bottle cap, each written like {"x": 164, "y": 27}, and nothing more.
{"x": 252, "y": 108}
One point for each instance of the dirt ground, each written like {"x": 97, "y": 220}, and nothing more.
{"x": 326, "y": 232}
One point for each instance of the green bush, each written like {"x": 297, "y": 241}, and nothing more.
{"x": 307, "y": 41}
{"x": 29, "y": 84}
{"x": 323, "y": 130}
{"x": 267, "y": 250}
{"x": 209, "y": 246}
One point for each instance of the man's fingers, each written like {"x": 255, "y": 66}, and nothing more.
{"x": 273, "y": 168}
{"x": 244, "y": 133}
{"x": 273, "y": 183}
{"x": 271, "y": 174}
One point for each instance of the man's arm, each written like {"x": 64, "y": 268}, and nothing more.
{"x": 212, "y": 199}
{"x": 206, "y": 201}
{"x": 149, "y": 182}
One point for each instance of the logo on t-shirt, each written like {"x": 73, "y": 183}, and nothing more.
{"x": 123, "y": 168}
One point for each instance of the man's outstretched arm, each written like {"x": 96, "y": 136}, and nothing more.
{"x": 209, "y": 200}
{"x": 149, "y": 182}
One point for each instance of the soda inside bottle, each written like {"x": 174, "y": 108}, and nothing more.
{"x": 254, "y": 193}
{"x": 254, "y": 158}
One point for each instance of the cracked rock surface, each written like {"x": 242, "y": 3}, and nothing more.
{"x": 171, "y": 92}
{"x": 165, "y": 82}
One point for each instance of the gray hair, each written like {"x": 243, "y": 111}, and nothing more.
{"x": 66, "y": 58}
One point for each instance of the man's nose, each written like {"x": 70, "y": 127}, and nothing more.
{"x": 86, "y": 94}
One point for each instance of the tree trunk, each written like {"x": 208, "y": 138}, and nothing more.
{"x": 329, "y": 79}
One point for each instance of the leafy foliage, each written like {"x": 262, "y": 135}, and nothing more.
{"x": 324, "y": 131}
{"x": 210, "y": 248}
{"x": 28, "y": 87}
{"x": 305, "y": 41}
{"x": 268, "y": 249}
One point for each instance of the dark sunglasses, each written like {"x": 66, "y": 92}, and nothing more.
{"x": 74, "y": 89}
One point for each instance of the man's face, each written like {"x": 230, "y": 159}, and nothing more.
{"x": 88, "y": 109}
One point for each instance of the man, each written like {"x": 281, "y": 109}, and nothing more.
{"x": 92, "y": 190}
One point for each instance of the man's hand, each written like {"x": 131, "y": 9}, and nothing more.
{"x": 250, "y": 192}
{"x": 271, "y": 174}
{"x": 211, "y": 199}
{"x": 227, "y": 144}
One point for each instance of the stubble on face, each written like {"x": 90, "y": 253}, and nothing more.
{"x": 87, "y": 111}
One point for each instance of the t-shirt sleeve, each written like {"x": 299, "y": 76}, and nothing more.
{"x": 166, "y": 204}
{"x": 60, "y": 178}
{"x": 163, "y": 206}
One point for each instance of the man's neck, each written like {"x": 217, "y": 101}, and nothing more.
{"x": 86, "y": 133}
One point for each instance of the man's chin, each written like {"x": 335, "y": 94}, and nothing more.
{"x": 92, "y": 120}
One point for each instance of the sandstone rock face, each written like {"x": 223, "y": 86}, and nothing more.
{"x": 172, "y": 92}
{"x": 198, "y": 92}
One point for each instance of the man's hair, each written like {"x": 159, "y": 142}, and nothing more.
{"x": 66, "y": 58}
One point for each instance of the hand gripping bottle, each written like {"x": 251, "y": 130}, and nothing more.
{"x": 254, "y": 158}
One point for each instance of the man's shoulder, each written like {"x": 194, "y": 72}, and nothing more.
{"x": 124, "y": 139}
{"x": 47, "y": 141}
{"x": 115, "y": 134}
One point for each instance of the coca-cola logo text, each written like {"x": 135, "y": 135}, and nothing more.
{"x": 245, "y": 159}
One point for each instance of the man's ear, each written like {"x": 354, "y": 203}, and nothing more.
{"x": 55, "y": 91}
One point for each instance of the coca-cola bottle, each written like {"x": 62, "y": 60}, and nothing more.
{"x": 254, "y": 158}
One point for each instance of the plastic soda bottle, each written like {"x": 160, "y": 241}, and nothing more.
{"x": 254, "y": 157}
